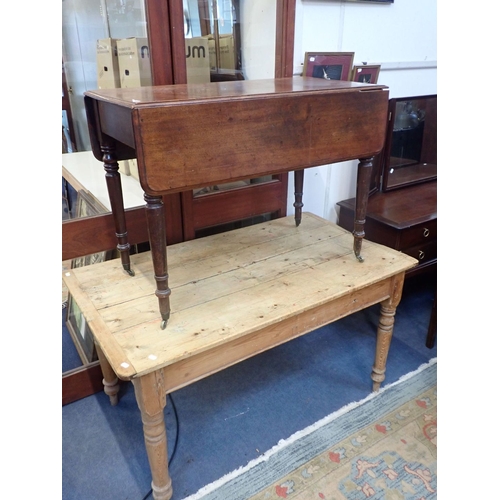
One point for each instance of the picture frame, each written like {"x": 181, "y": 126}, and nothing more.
{"x": 88, "y": 205}
{"x": 328, "y": 65}
{"x": 365, "y": 73}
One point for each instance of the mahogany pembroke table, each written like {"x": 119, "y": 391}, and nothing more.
{"x": 190, "y": 136}
{"x": 238, "y": 293}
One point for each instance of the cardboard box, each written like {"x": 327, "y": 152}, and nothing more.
{"x": 197, "y": 60}
{"x": 226, "y": 52}
{"x": 108, "y": 73}
{"x": 134, "y": 62}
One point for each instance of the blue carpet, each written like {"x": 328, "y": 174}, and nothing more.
{"x": 234, "y": 416}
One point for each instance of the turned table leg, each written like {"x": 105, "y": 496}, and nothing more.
{"x": 362, "y": 191}
{"x": 114, "y": 186}
{"x": 110, "y": 380}
{"x": 385, "y": 330}
{"x": 151, "y": 398}
{"x": 298, "y": 188}
{"x": 155, "y": 212}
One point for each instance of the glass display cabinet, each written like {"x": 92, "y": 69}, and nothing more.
{"x": 410, "y": 153}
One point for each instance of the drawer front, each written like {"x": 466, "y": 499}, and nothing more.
{"x": 418, "y": 235}
{"x": 423, "y": 253}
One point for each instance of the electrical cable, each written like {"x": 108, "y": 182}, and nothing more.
{"x": 176, "y": 440}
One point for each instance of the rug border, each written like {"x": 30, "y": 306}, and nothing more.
{"x": 284, "y": 443}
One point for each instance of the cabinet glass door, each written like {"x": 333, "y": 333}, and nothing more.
{"x": 411, "y": 145}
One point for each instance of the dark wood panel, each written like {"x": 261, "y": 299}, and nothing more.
{"x": 97, "y": 234}
{"x": 423, "y": 253}
{"x": 160, "y": 43}
{"x": 419, "y": 234}
{"x": 402, "y": 208}
{"x": 285, "y": 36}
{"x": 210, "y": 210}
{"x": 81, "y": 382}
{"x": 374, "y": 230}
{"x": 278, "y": 133}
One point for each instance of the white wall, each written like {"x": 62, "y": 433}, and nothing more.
{"x": 258, "y": 41}
{"x": 401, "y": 36}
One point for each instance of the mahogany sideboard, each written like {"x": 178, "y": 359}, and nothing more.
{"x": 190, "y": 136}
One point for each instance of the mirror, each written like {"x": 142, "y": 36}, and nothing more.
{"x": 411, "y": 149}
{"x": 225, "y": 40}
{"x": 236, "y": 37}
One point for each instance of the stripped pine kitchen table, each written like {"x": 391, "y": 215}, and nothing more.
{"x": 234, "y": 295}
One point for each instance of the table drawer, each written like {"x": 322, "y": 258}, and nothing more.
{"x": 418, "y": 235}
{"x": 423, "y": 253}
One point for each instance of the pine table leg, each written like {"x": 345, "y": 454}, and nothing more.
{"x": 385, "y": 329}
{"x": 110, "y": 380}
{"x": 151, "y": 398}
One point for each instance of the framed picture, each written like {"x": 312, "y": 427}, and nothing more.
{"x": 87, "y": 205}
{"x": 80, "y": 332}
{"x": 365, "y": 73}
{"x": 328, "y": 65}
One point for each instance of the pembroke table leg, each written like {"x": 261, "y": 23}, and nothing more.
{"x": 385, "y": 330}
{"x": 116, "y": 199}
{"x": 110, "y": 380}
{"x": 152, "y": 400}
{"x": 362, "y": 191}
{"x": 157, "y": 238}
{"x": 299, "y": 188}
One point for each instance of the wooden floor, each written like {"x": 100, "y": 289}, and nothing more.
{"x": 225, "y": 287}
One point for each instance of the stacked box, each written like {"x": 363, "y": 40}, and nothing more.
{"x": 134, "y": 62}
{"x": 226, "y": 52}
{"x": 197, "y": 60}
{"x": 108, "y": 72}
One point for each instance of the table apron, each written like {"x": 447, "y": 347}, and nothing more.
{"x": 196, "y": 367}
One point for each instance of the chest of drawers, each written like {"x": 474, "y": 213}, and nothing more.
{"x": 405, "y": 219}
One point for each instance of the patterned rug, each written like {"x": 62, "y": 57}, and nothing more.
{"x": 381, "y": 448}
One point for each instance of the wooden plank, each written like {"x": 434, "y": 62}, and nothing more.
{"x": 111, "y": 286}
{"x": 90, "y": 235}
{"x": 81, "y": 382}
{"x": 212, "y": 209}
{"x": 225, "y": 287}
{"x": 95, "y": 234}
